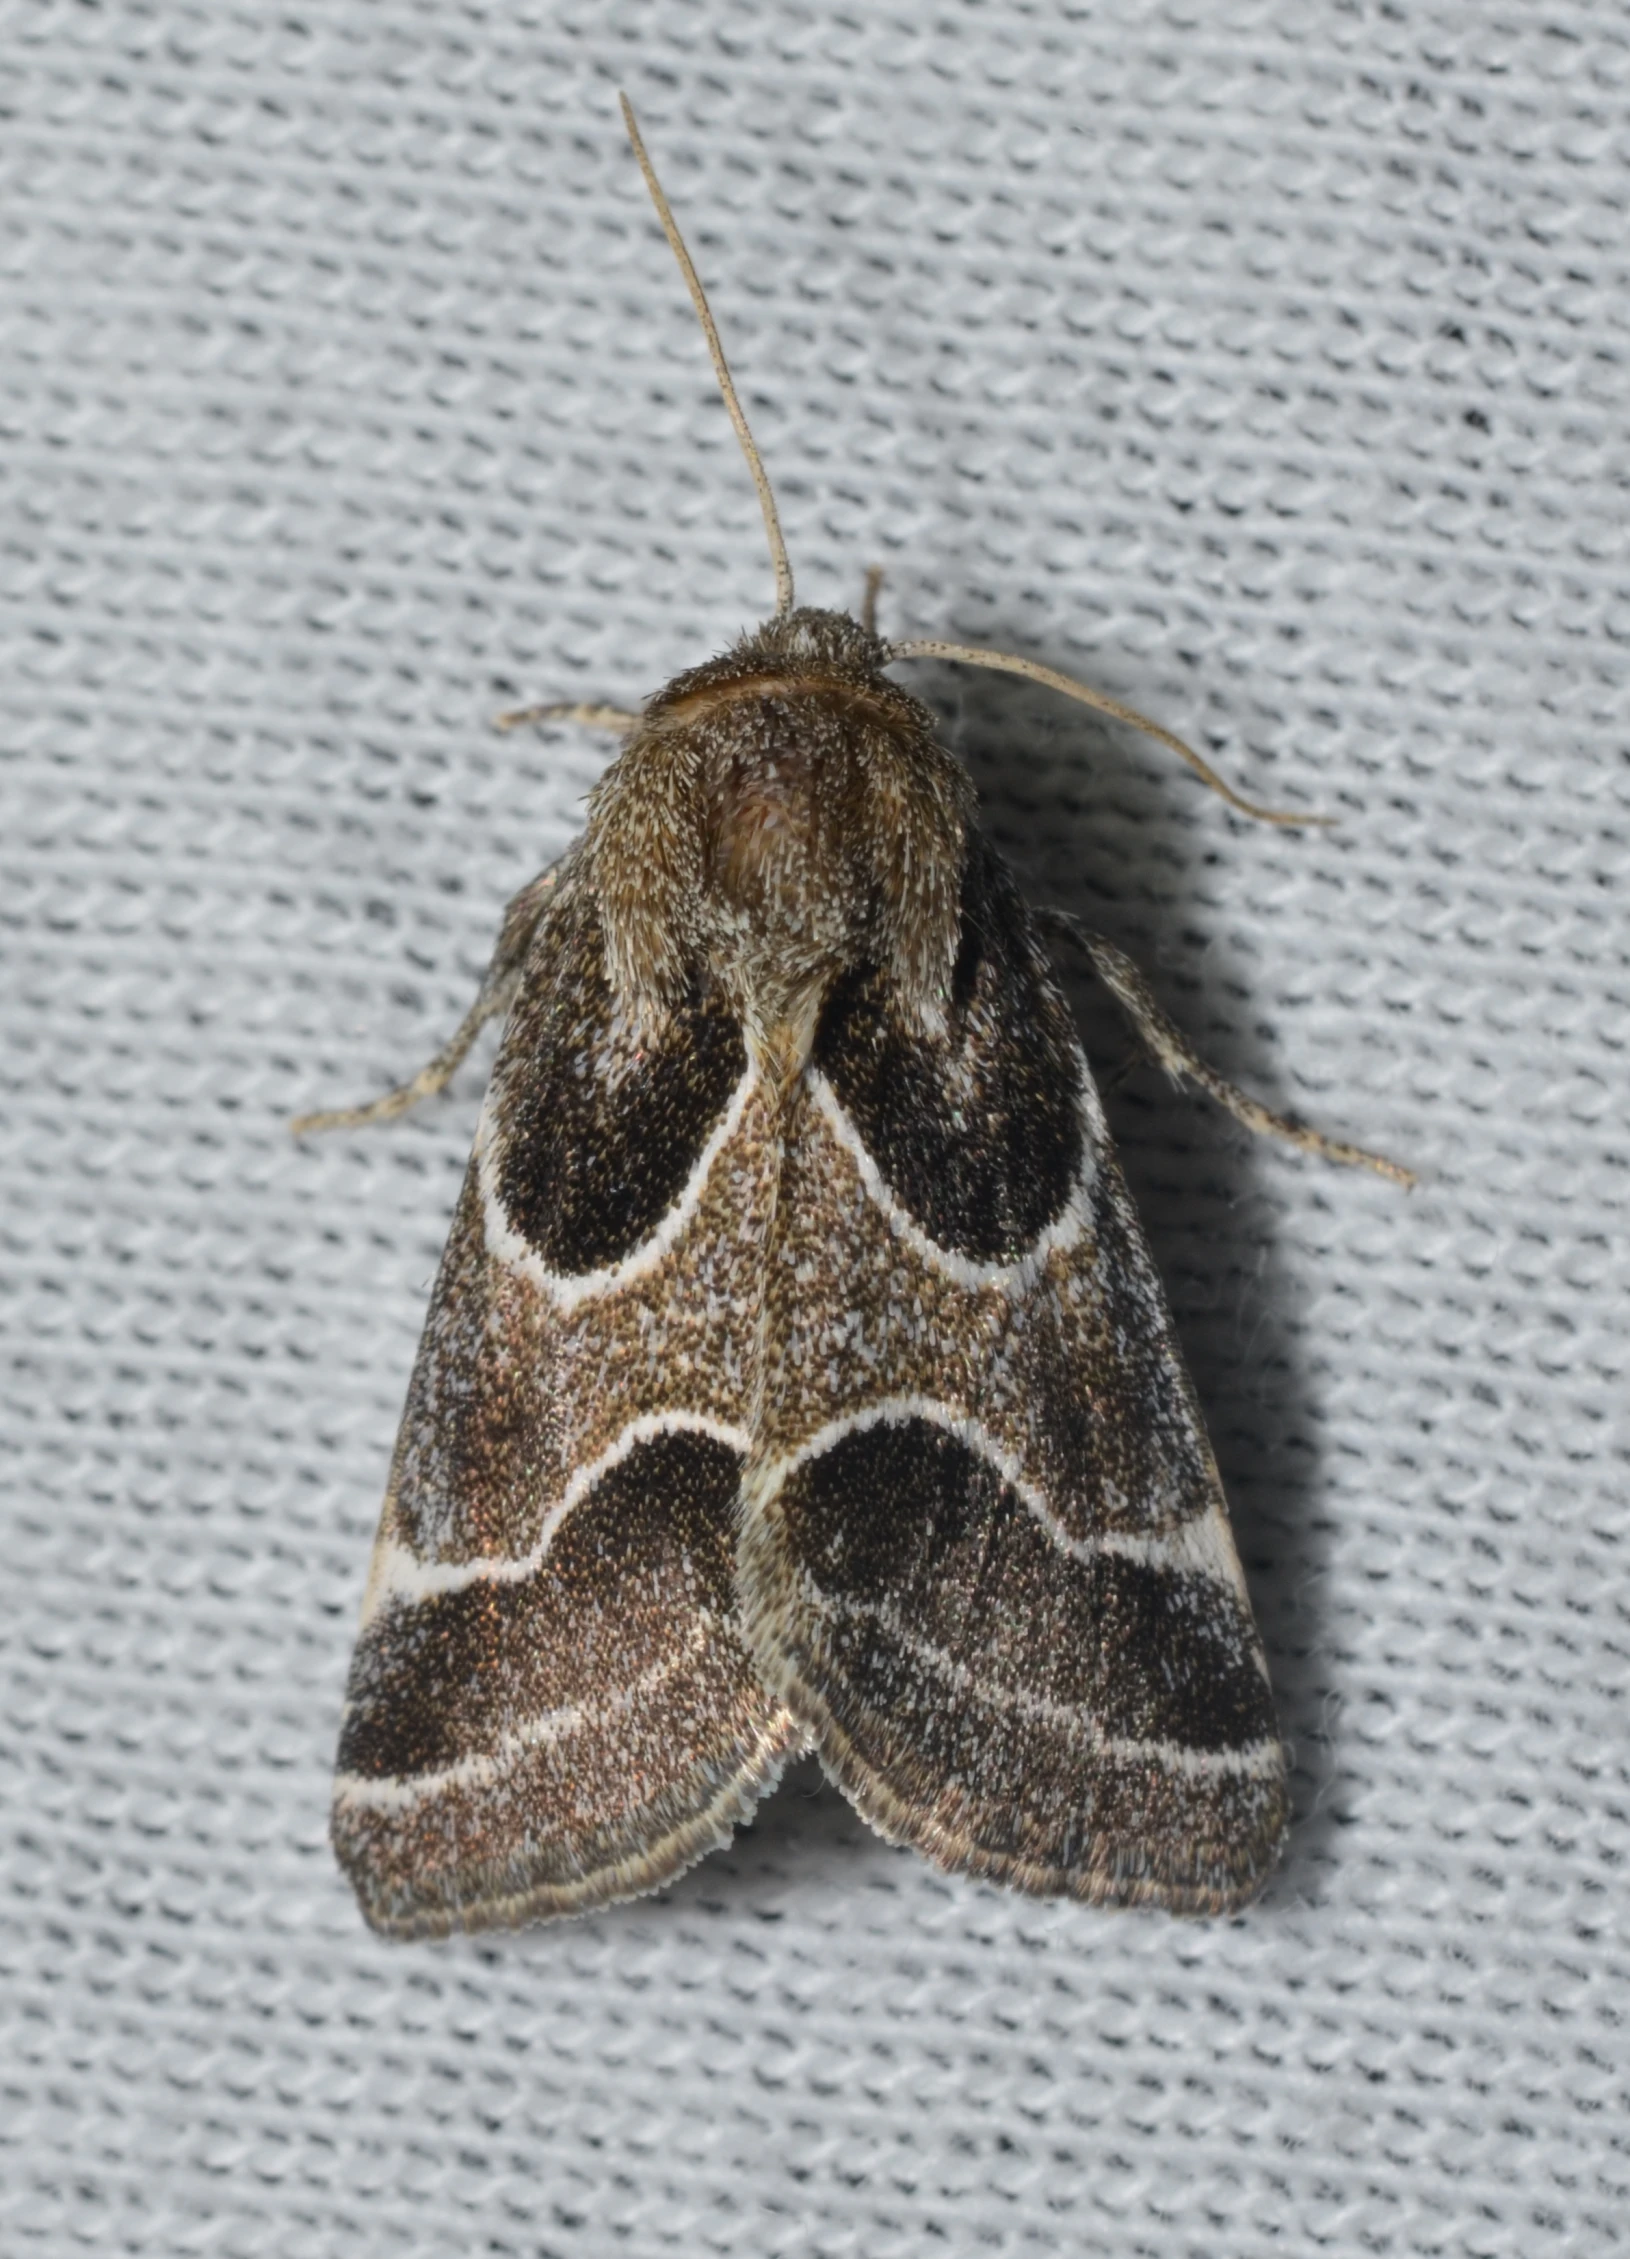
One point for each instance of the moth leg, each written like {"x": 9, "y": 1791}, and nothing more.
{"x": 868, "y": 601}
{"x": 590, "y": 715}
{"x": 1133, "y": 1058}
{"x": 1170, "y": 1048}
{"x": 521, "y": 921}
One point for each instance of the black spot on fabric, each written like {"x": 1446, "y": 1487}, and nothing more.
{"x": 976, "y": 1134}
{"x": 946, "y": 1590}
{"x": 618, "y": 1592}
{"x": 600, "y": 1128}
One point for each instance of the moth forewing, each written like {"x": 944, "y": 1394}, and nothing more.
{"x": 551, "y": 1704}
{"x": 985, "y": 1558}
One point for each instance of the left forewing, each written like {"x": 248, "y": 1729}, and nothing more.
{"x": 551, "y": 1703}
{"x": 986, "y": 1559}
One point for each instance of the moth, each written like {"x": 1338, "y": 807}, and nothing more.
{"x": 797, "y": 1376}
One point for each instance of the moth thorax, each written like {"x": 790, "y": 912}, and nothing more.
{"x": 781, "y": 815}
{"x": 789, "y": 855}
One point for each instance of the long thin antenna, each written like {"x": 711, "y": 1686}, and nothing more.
{"x": 721, "y": 368}
{"x": 1004, "y": 662}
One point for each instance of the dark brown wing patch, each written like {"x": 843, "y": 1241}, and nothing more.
{"x": 437, "y": 1681}
{"x": 977, "y": 1134}
{"x": 598, "y": 1123}
{"x": 516, "y": 1745}
{"x": 904, "y": 1509}
{"x": 1100, "y": 1727}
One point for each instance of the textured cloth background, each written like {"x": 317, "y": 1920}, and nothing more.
{"x": 1266, "y": 362}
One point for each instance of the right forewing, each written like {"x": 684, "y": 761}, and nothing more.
{"x": 986, "y": 1559}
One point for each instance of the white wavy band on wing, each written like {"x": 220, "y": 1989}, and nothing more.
{"x": 485, "y": 1768}
{"x": 397, "y": 1574}
{"x": 1016, "y": 1277}
{"x": 567, "y": 1289}
{"x": 1255, "y": 1760}
{"x": 1202, "y": 1546}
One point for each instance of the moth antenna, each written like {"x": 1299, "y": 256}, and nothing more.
{"x": 1005, "y": 662}
{"x": 721, "y": 368}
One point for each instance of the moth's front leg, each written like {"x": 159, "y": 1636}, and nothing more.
{"x": 521, "y": 921}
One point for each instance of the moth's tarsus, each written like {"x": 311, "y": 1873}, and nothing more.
{"x": 431, "y": 1079}
{"x": 521, "y": 920}
{"x": 1165, "y": 1043}
{"x": 586, "y": 712}
{"x": 868, "y": 601}
{"x": 721, "y": 368}
{"x": 1006, "y": 663}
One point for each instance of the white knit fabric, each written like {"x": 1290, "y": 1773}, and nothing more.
{"x": 1263, "y": 360}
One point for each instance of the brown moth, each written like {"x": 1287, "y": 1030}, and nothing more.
{"x": 797, "y": 1376}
